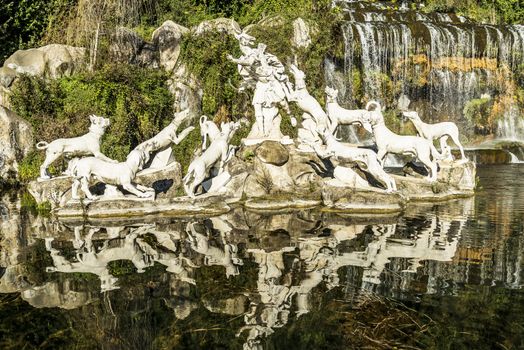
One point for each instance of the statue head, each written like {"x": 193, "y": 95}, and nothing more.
{"x": 411, "y": 115}
{"x": 98, "y": 123}
{"x": 245, "y": 39}
{"x": 331, "y": 94}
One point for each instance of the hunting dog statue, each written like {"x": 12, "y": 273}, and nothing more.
{"x": 86, "y": 145}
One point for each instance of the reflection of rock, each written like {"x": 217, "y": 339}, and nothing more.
{"x": 232, "y": 306}
{"x": 16, "y": 140}
{"x": 53, "y": 294}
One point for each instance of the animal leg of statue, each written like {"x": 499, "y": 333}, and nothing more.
{"x": 49, "y": 159}
{"x": 85, "y": 188}
{"x": 132, "y": 189}
{"x": 74, "y": 189}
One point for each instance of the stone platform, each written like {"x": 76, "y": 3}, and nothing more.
{"x": 268, "y": 177}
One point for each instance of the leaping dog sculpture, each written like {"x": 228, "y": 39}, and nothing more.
{"x": 218, "y": 150}
{"x": 119, "y": 174}
{"x": 365, "y": 159}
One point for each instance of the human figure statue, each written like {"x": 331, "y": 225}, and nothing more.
{"x": 264, "y": 73}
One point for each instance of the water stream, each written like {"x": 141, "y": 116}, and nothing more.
{"x": 440, "y": 61}
{"x": 304, "y": 279}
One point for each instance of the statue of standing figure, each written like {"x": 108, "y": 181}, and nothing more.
{"x": 264, "y": 73}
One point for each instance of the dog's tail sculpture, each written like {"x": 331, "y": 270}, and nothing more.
{"x": 42, "y": 145}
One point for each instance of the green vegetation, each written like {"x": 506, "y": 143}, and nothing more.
{"x": 477, "y": 112}
{"x": 135, "y": 99}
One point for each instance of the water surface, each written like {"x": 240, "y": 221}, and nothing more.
{"x": 445, "y": 276}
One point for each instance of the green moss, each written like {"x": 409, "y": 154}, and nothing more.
{"x": 187, "y": 148}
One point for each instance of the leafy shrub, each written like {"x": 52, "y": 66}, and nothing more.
{"x": 136, "y": 100}
{"x": 477, "y": 112}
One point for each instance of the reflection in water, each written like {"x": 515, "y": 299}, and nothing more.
{"x": 265, "y": 271}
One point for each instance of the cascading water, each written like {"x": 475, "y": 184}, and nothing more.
{"x": 440, "y": 61}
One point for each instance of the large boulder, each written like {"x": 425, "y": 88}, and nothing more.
{"x": 128, "y": 47}
{"x": 52, "y": 61}
{"x": 7, "y": 76}
{"x": 16, "y": 140}
{"x": 225, "y": 25}
{"x": 301, "y": 34}
{"x": 167, "y": 39}
{"x": 272, "y": 152}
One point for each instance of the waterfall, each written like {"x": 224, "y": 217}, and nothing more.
{"x": 440, "y": 61}
{"x": 512, "y": 126}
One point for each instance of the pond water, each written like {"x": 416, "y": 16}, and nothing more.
{"x": 446, "y": 275}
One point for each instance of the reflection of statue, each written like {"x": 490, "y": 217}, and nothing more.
{"x": 219, "y": 150}
{"x": 365, "y": 159}
{"x": 439, "y": 131}
{"x": 226, "y": 257}
{"x": 389, "y": 142}
{"x": 265, "y": 73}
{"x": 275, "y": 298}
{"x": 121, "y": 174}
{"x": 88, "y": 144}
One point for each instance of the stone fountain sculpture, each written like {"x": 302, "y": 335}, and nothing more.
{"x": 314, "y": 117}
{"x": 119, "y": 174}
{"x": 264, "y": 73}
{"x": 88, "y": 144}
{"x": 439, "y": 131}
{"x": 364, "y": 158}
{"x": 218, "y": 151}
{"x": 161, "y": 143}
{"x": 341, "y": 116}
{"x": 389, "y": 142}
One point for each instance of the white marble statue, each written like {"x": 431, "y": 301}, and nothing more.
{"x": 389, "y": 142}
{"x": 120, "y": 174}
{"x": 208, "y": 131}
{"x": 88, "y": 144}
{"x": 226, "y": 257}
{"x": 161, "y": 143}
{"x": 314, "y": 117}
{"x": 365, "y": 159}
{"x": 341, "y": 116}
{"x": 264, "y": 73}
{"x": 218, "y": 151}
{"x": 439, "y": 131}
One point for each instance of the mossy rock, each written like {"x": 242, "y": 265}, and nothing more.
{"x": 272, "y": 152}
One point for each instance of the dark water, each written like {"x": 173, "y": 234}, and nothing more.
{"x": 443, "y": 276}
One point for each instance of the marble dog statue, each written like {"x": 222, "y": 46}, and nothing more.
{"x": 305, "y": 101}
{"x": 119, "y": 174}
{"x": 86, "y": 145}
{"x": 389, "y": 142}
{"x": 342, "y": 116}
{"x": 365, "y": 159}
{"x": 218, "y": 150}
{"x": 439, "y": 131}
{"x": 208, "y": 130}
